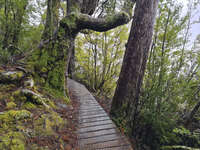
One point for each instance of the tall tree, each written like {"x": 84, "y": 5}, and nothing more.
{"x": 52, "y": 18}
{"x": 127, "y": 93}
{"x": 14, "y": 12}
{"x": 51, "y": 60}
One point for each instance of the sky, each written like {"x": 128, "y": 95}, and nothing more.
{"x": 195, "y": 28}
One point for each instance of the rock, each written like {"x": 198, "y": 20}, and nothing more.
{"x": 34, "y": 97}
{"x": 197, "y": 131}
{"x": 29, "y": 83}
{"x": 11, "y": 76}
{"x": 62, "y": 105}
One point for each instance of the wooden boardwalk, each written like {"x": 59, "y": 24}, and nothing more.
{"x": 96, "y": 130}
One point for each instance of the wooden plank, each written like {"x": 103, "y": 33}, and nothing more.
{"x": 89, "y": 107}
{"x": 89, "y": 103}
{"x": 81, "y": 121}
{"x": 99, "y": 139}
{"x": 90, "y": 110}
{"x": 106, "y": 144}
{"x": 92, "y": 113}
{"x": 96, "y": 133}
{"x": 96, "y": 128}
{"x": 92, "y": 116}
{"x": 99, "y": 123}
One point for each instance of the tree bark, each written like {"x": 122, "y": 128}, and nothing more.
{"x": 18, "y": 23}
{"x": 13, "y": 22}
{"x": 126, "y": 97}
{"x": 52, "y": 19}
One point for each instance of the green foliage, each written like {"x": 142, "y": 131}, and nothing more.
{"x": 18, "y": 34}
{"x": 170, "y": 87}
{"x": 178, "y": 147}
{"x": 5, "y": 56}
{"x": 99, "y": 57}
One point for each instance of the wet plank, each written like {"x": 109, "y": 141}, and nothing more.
{"x": 96, "y": 131}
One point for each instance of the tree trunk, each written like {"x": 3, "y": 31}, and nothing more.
{"x": 71, "y": 67}
{"x": 52, "y": 19}
{"x": 51, "y": 61}
{"x": 14, "y": 13}
{"x": 126, "y": 97}
{"x": 6, "y": 35}
{"x": 18, "y": 24}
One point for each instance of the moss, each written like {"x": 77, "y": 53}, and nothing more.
{"x": 18, "y": 96}
{"x": 11, "y": 105}
{"x": 44, "y": 70}
{"x": 29, "y": 106}
{"x": 70, "y": 21}
{"x": 50, "y": 103}
{"x": 11, "y": 98}
{"x": 67, "y": 100}
{"x": 48, "y": 123}
{"x": 11, "y": 76}
{"x": 56, "y": 76}
{"x": 42, "y": 62}
{"x": 7, "y": 87}
{"x": 12, "y": 115}
{"x": 12, "y": 141}
{"x": 49, "y": 63}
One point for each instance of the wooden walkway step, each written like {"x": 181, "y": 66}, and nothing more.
{"x": 96, "y": 131}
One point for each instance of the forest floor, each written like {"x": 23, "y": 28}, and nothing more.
{"x": 30, "y": 122}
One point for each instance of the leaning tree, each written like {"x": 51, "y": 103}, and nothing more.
{"x": 50, "y": 61}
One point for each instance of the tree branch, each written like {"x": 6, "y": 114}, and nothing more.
{"x": 102, "y": 24}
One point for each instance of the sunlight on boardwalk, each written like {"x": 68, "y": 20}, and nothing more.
{"x": 96, "y": 130}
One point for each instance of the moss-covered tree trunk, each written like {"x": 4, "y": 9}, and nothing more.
{"x": 14, "y": 13}
{"x": 51, "y": 61}
{"x": 52, "y": 19}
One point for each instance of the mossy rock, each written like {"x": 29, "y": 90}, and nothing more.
{"x": 29, "y": 83}
{"x": 32, "y": 96}
{"x": 11, "y": 76}
{"x": 14, "y": 115}
{"x": 25, "y": 95}
{"x": 29, "y": 106}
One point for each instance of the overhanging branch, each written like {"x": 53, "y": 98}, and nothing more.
{"x": 102, "y": 24}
